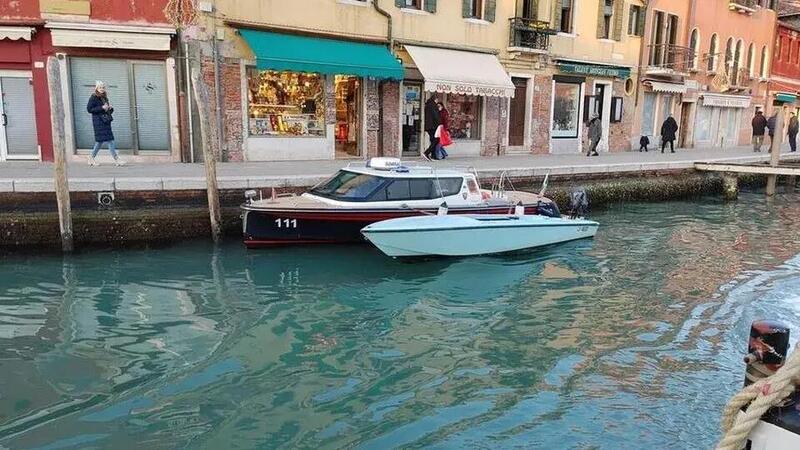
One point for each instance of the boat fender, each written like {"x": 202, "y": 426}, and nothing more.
{"x": 766, "y": 349}
{"x": 519, "y": 209}
{"x": 486, "y": 195}
{"x": 442, "y": 210}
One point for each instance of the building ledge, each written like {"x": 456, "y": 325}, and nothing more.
{"x": 526, "y": 50}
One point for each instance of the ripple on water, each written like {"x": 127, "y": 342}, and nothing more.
{"x": 636, "y": 336}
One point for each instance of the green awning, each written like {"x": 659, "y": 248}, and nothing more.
{"x": 785, "y": 97}
{"x": 276, "y": 51}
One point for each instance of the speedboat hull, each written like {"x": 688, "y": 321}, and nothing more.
{"x": 473, "y": 235}
{"x": 265, "y": 227}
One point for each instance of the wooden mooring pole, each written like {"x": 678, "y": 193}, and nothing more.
{"x": 60, "y": 180}
{"x": 730, "y": 186}
{"x": 775, "y": 150}
{"x": 201, "y": 95}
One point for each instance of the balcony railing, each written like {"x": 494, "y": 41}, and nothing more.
{"x": 743, "y": 6}
{"x": 530, "y": 34}
{"x": 669, "y": 59}
{"x": 740, "y": 78}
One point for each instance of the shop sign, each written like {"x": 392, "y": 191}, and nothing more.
{"x": 596, "y": 71}
{"x": 468, "y": 89}
{"x": 72, "y": 7}
{"x": 726, "y": 101}
{"x": 110, "y": 39}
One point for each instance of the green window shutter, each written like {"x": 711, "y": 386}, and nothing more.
{"x": 400, "y": 3}
{"x": 430, "y": 6}
{"x": 491, "y": 10}
{"x": 466, "y": 8}
{"x": 619, "y": 10}
{"x": 600, "y": 15}
{"x": 556, "y": 25}
{"x": 642, "y": 18}
{"x": 631, "y": 26}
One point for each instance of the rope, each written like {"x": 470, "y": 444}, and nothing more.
{"x": 760, "y": 396}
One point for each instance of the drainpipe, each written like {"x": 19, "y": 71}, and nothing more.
{"x": 384, "y": 13}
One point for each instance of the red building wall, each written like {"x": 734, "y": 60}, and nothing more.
{"x": 19, "y": 11}
{"x": 786, "y": 63}
{"x": 32, "y": 55}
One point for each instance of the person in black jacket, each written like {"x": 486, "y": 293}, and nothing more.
{"x": 759, "y": 127}
{"x": 102, "y": 116}
{"x": 432, "y": 122}
{"x": 668, "y": 130}
{"x": 792, "y": 130}
{"x": 772, "y": 122}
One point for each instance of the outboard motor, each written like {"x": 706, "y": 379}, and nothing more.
{"x": 578, "y": 203}
{"x": 547, "y": 209}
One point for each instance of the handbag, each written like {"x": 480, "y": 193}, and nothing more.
{"x": 445, "y": 138}
{"x": 106, "y": 117}
{"x": 438, "y": 133}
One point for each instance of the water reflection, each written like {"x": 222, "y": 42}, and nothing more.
{"x": 590, "y": 344}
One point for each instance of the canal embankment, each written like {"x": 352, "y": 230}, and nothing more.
{"x": 118, "y": 206}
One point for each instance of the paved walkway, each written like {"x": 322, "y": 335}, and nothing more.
{"x": 37, "y": 177}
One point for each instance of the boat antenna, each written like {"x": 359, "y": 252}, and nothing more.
{"x": 544, "y": 184}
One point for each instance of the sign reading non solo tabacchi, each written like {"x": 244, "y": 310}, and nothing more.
{"x": 469, "y": 89}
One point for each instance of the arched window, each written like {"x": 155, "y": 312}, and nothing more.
{"x": 779, "y": 47}
{"x": 729, "y": 56}
{"x": 694, "y": 45}
{"x": 751, "y": 60}
{"x": 764, "y": 56}
{"x": 737, "y": 62}
{"x": 713, "y": 51}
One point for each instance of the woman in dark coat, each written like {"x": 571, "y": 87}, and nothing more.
{"x": 668, "y": 130}
{"x": 102, "y": 116}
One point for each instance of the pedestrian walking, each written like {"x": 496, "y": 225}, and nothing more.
{"x": 771, "y": 122}
{"x": 644, "y": 141}
{"x": 759, "y": 127}
{"x": 442, "y": 133}
{"x": 102, "y": 115}
{"x": 793, "y": 128}
{"x": 432, "y": 122}
{"x": 668, "y": 130}
{"x": 595, "y": 134}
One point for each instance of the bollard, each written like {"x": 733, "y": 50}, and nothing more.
{"x": 730, "y": 186}
{"x": 766, "y": 349}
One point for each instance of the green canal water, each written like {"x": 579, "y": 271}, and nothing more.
{"x": 632, "y": 340}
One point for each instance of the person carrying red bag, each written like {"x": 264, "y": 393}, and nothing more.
{"x": 442, "y": 133}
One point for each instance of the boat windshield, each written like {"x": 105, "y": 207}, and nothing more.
{"x": 347, "y": 185}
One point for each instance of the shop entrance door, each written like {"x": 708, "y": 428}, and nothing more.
{"x": 18, "y": 138}
{"x": 411, "y": 116}
{"x": 602, "y": 102}
{"x": 516, "y": 127}
{"x": 138, "y": 92}
{"x": 151, "y": 109}
{"x": 348, "y": 116}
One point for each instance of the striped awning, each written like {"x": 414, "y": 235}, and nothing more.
{"x": 16, "y": 33}
{"x": 671, "y": 88}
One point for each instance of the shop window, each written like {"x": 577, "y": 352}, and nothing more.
{"x": 566, "y": 110}
{"x": 465, "y": 116}
{"x": 348, "y": 115}
{"x": 285, "y": 103}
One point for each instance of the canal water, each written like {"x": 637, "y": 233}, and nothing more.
{"x": 635, "y": 338}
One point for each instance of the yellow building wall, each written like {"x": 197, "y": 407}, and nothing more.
{"x": 584, "y": 44}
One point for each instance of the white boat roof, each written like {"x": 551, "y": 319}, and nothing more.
{"x": 410, "y": 171}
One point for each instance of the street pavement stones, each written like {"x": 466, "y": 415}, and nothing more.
{"x": 17, "y": 176}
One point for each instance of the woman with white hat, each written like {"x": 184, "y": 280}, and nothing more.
{"x": 102, "y": 116}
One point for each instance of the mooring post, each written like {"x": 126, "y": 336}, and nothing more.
{"x": 201, "y": 95}
{"x": 791, "y": 182}
{"x": 59, "y": 154}
{"x": 730, "y": 186}
{"x": 775, "y": 150}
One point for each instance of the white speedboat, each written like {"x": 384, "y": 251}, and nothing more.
{"x": 463, "y": 235}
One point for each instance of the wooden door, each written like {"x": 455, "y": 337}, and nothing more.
{"x": 516, "y": 128}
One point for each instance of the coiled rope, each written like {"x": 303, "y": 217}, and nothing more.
{"x": 760, "y": 396}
